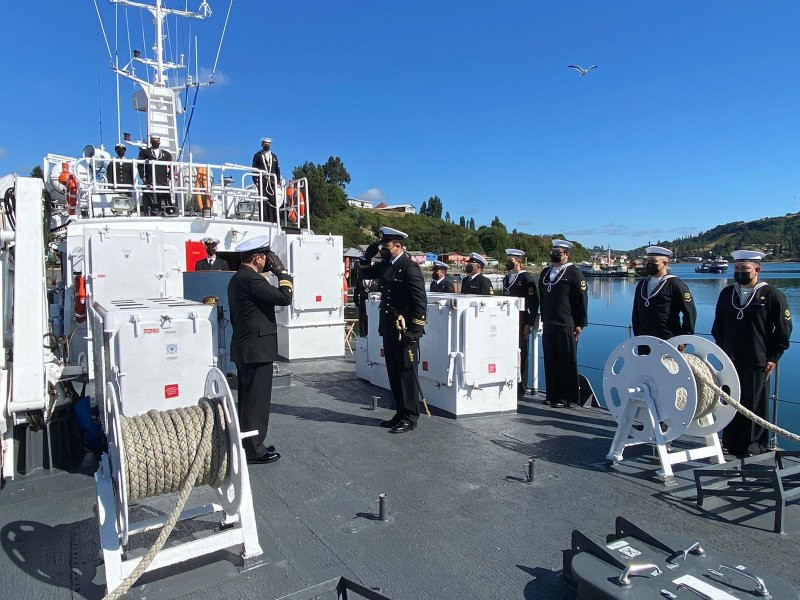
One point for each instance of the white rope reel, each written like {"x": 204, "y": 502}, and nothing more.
{"x": 153, "y": 454}
{"x": 658, "y": 394}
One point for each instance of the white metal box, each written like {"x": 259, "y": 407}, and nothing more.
{"x": 469, "y": 355}
{"x": 157, "y": 351}
{"x": 313, "y": 326}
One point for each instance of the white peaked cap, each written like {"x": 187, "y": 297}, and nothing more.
{"x": 747, "y": 255}
{"x": 658, "y": 251}
{"x": 387, "y": 233}
{"x": 266, "y": 140}
{"x": 563, "y": 244}
{"x": 514, "y": 252}
{"x": 477, "y": 258}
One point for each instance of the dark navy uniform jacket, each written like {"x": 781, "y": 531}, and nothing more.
{"x": 445, "y": 285}
{"x": 564, "y": 302}
{"x": 252, "y": 301}
{"x": 480, "y": 284}
{"x": 402, "y": 293}
{"x": 761, "y": 335}
{"x": 220, "y": 264}
{"x": 523, "y": 285}
{"x": 660, "y": 314}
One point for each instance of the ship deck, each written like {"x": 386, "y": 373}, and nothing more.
{"x": 463, "y": 522}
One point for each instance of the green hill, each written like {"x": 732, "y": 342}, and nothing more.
{"x": 779, "y": 237}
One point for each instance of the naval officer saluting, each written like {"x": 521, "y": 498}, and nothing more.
{"x": 518, "y": 282}
{"x": 662, "y": 304}
{"x": 752, "y": 324}
{"x": 475, "y": 281}
{"x": 401, "y": 324}
{"x": 441, "y": 282}
{"x": 564, "y": 303}
{"x": 254, "y": 345}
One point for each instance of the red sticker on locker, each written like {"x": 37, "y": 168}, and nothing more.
{"x": 492, "y": 368}
{"x": 151, "y": 329}
{"x": 382, "y": 352}
{"x": 171, "y": 390}
{"x": 424, "y": 365}
{"x": 319, "y": 298}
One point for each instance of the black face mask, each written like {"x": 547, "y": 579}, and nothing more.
{"x": 438, "y": 274}
{"x": 556, "y": 256}
{"x": 386, "y": 254}
{"x": 469, "y": 268}
{"x": 509, "y": 265}
{"x": 651, "y": 268}
{"x": 742, "y": 278}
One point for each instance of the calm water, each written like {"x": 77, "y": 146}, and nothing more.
{"x": 611, "y": 300}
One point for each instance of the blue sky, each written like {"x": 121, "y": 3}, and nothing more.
{"x": 690, "y": 120}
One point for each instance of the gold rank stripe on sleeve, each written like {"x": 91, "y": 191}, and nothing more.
{"x": 418, "y": 321}
{"x": 286, "y": 283}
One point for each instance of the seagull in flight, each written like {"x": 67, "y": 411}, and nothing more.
{"x": 581, "y": 70}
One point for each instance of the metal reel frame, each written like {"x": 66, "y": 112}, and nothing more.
{"x": 725, "y": 376}
{"x": 631, "y": 374}
{"x": 116, "y": 456}
{"x": 229, "y": 493}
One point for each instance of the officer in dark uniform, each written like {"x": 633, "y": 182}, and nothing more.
{"x": 441, "y": 282}
{"x": 752, "y": 324}
{"x": 475, "y": 282}
{"x": 211, "y": 262}
{"x": 254, "y": 345}
{"x": 266, "y": 160}
{"x": 518, "y": 282}
{"x": 119, "y": 172}
{"x": 662, "y": 304}
{"x": 402, "y": 322}
{"x": 564, "y": 301}
{"x": 156, "y": 175}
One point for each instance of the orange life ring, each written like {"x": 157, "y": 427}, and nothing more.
{"x": 80, "y": 299}
{"x": 296, "y": 202}
{"x": 70, "y": 183}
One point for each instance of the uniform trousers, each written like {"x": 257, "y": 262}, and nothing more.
{"x": 269, "y": 210}
{"x": 523, "y": 357}
{"x": 402, "y": 376}
{"x": 560, "y": 364}
{"x": 254, "y": 398}
{"x": 742, "y": 436}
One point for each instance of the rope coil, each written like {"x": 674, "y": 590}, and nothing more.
{"x": 708, "y": 391}
{"x": 172, "y": 451}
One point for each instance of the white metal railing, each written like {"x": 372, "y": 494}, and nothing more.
{"x": 180, "y": 188}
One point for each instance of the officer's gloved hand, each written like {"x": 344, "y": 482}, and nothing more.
{"x": 413, "y": 333}
{"x": 371, "y": 251}
{"x": 274, "y": 263}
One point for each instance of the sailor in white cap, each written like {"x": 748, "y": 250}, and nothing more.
{"x": 402, "y": 322}
{"x": 254, "y": 344}
{"x": 518, "y": 282}
{"x": 475, "y": 282}
{"x": 752, "y": 324}
{"x": 662, "y": 304}
{"x": 441, "y": 282}
{"x": 119, "y": 172}
{"x": 564, "y": 302}
{"x": 156, "y": 175}
{"x": 211, "y": 262}
{"x": 267, "y": 179}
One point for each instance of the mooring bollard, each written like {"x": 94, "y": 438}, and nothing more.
{"x": 531, "y": 469}
{"x": 374, "y": 402}
{"x": 383, "y": 507}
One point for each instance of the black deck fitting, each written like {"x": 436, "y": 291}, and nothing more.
{"x": 531, "y": 470}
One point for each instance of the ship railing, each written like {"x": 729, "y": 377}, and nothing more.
{"x": 533, "y": 379}
{"x": 178, "y": 188}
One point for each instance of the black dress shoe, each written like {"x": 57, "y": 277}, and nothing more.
{"x": 391, "y": 422}
{"x": 263, "y": 459}
{"x": 402, "y": 427}
{"x": 558, "y": 404}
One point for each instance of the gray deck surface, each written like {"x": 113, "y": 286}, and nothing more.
{"x": 464, "y": 524}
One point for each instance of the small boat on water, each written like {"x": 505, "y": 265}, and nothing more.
{"x": 718, "y": 265}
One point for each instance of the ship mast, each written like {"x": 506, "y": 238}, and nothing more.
{"x": 157, "y": 99}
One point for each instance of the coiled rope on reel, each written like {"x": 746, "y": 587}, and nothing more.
{"x": 705, "y": 381}
{"x": 172, "y": 451}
